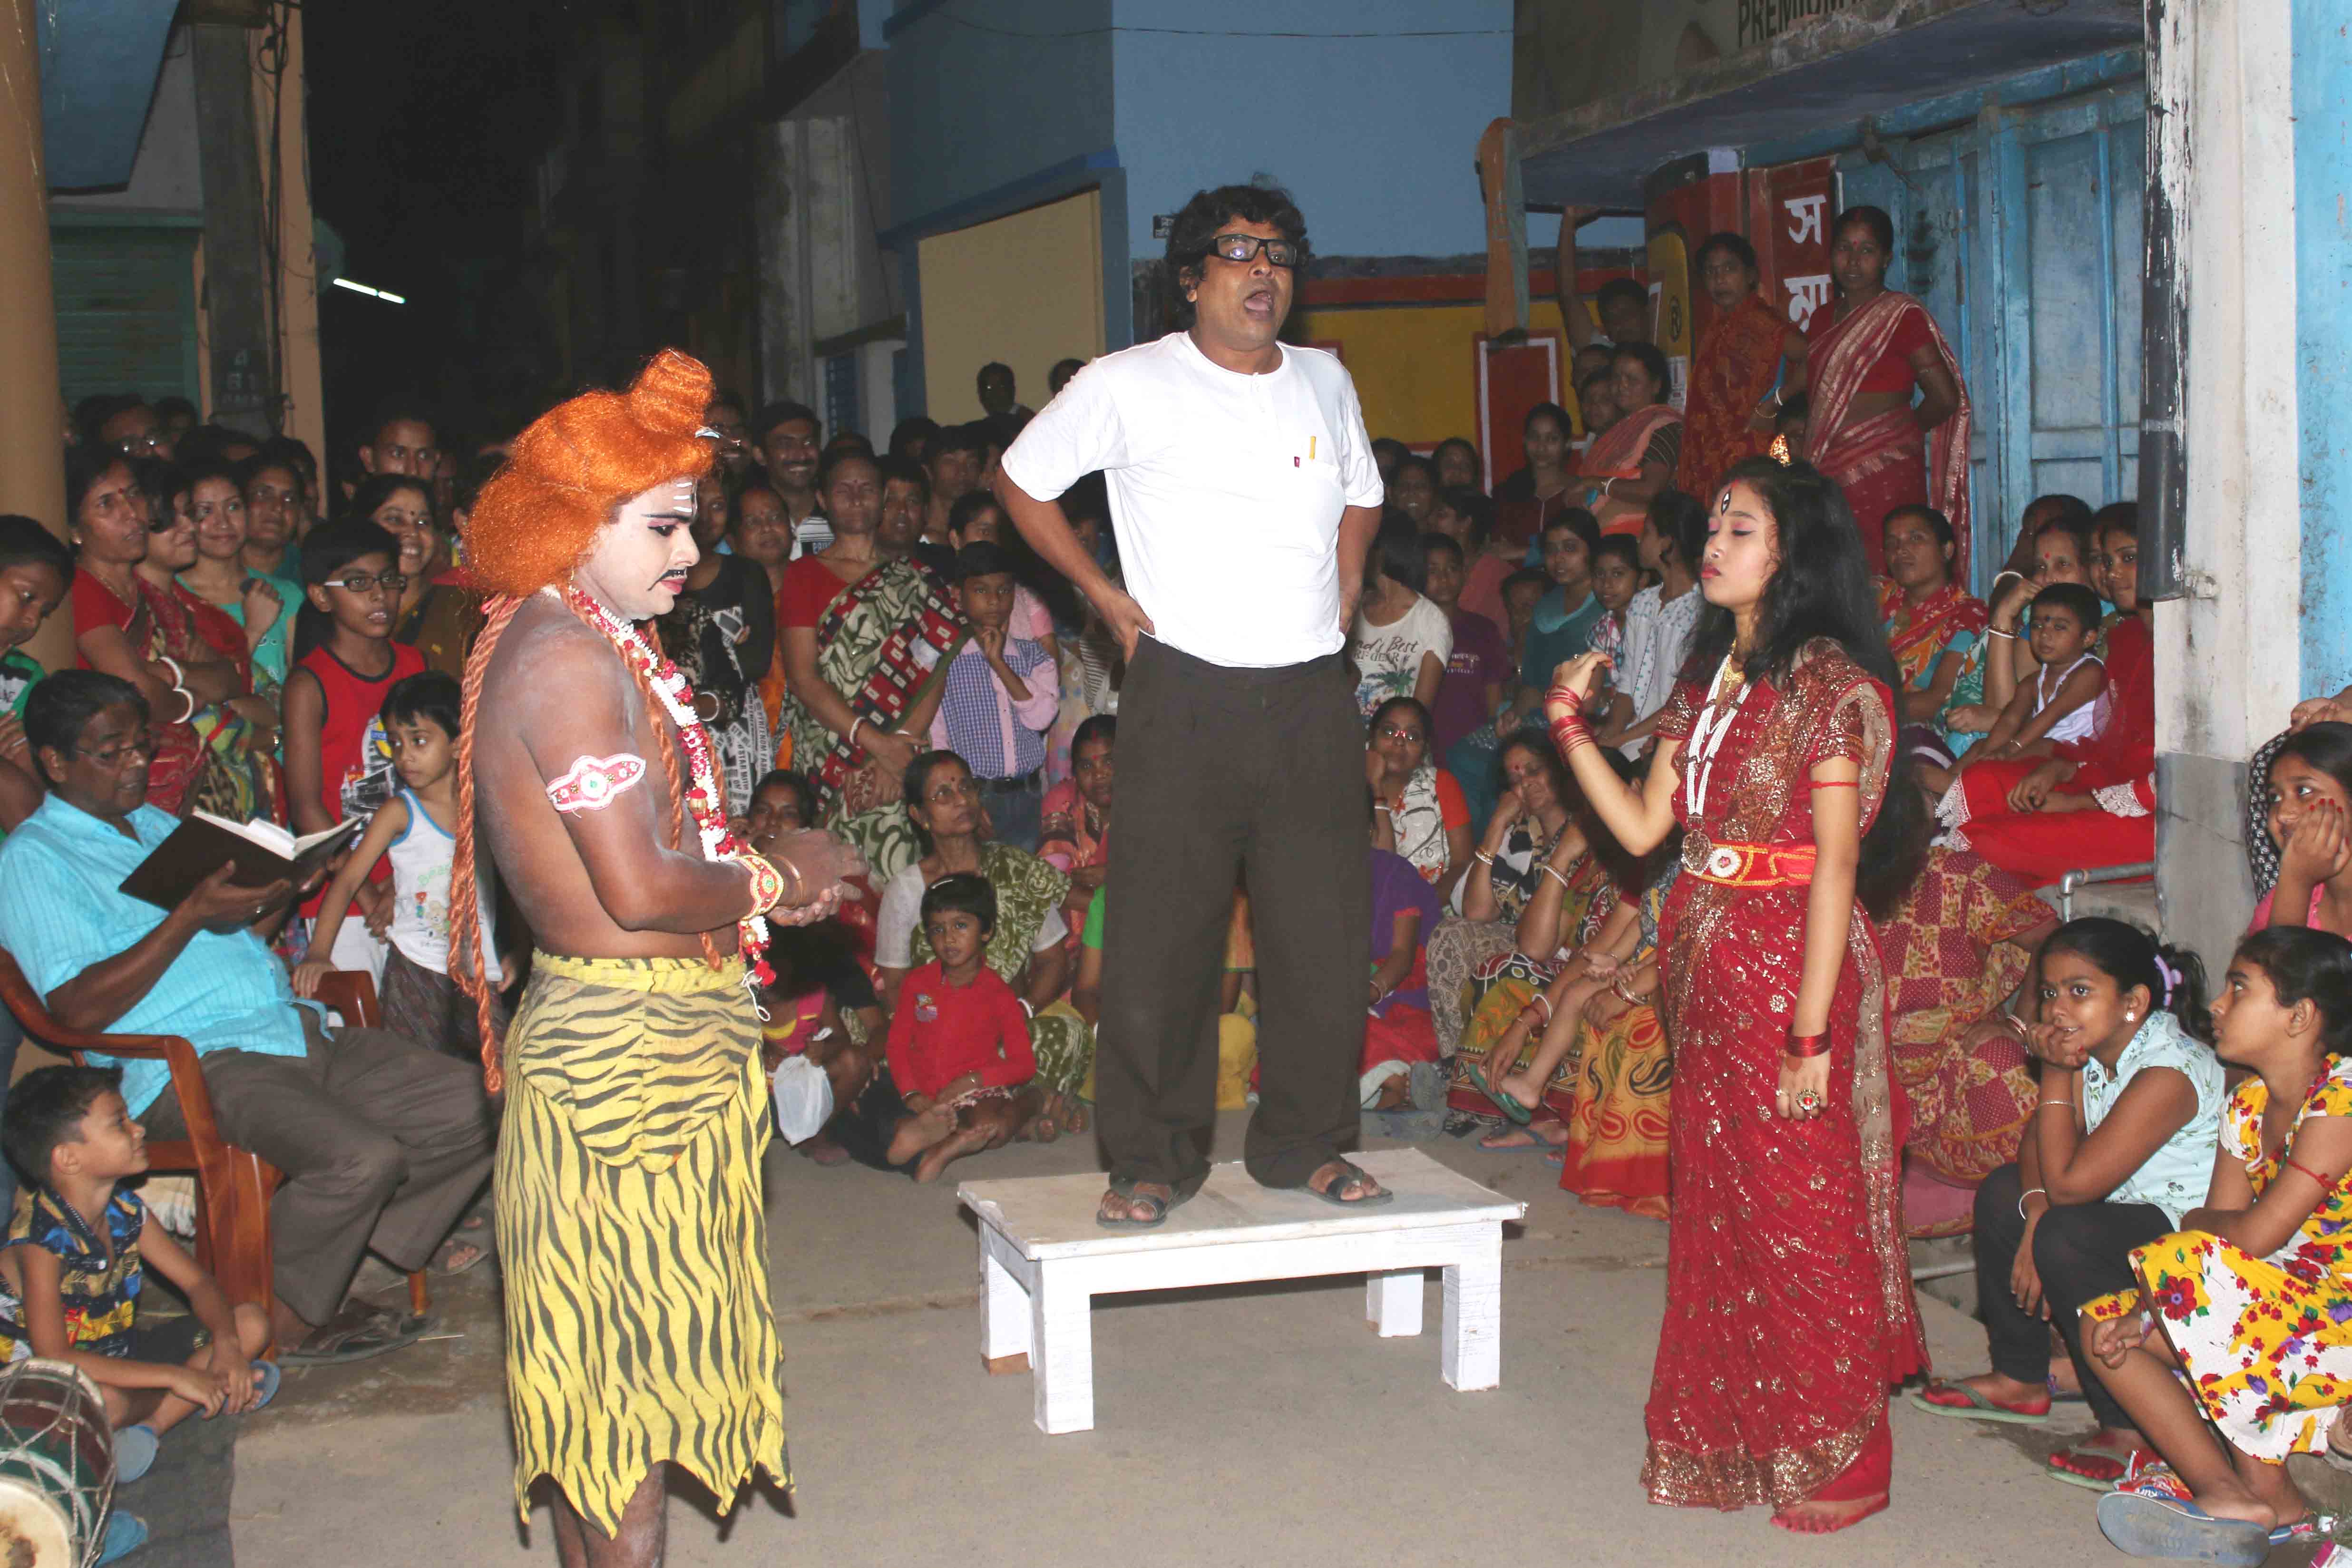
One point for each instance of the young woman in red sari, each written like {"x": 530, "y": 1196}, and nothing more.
{"x": 1635, "y": 457}
{"x": 2091, "y": 804}
{"x": 1789, "y": 1309}
{"x": 1725, "y": 412}
{"x": 1866, "y": 358}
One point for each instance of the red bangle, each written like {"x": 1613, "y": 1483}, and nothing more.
{"x": 1837, "y": 783}
{"x": 1809, "y": 1045}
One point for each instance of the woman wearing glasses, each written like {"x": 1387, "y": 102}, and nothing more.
{"x": 116, "y": 625}
{"x": 337, "y": 764}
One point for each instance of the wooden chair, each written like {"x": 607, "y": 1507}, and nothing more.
{"x": 233, "y": 1184}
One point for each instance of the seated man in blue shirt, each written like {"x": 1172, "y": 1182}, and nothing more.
{"x": 383, "y": 1142}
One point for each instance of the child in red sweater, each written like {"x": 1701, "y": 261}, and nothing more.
{"x": 959, "y": 1050}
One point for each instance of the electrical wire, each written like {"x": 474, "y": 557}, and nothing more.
{"x": 1225, "y": 32}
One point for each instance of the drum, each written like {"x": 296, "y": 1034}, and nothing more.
{"x": 56, "y": 1466}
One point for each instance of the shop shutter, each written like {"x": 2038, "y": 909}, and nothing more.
{"x": 126, "y": 306}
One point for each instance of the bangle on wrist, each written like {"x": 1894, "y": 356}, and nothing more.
{"x": 1483, "y": 857}
{"x": 179, "y": 675}
{"x": 2029, "y": 1192}
{"x": 1808, "y": 1045}
{"x": 190, "y": 698}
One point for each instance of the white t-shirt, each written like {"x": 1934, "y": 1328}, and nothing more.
{"x": 1388, "y": 658}
{"x": 1225, "y": 491}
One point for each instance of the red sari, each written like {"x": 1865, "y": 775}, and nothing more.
{"x": 1616, "y": 454}
{"x": 1733, "y": 370}
{"x": 1789, "y": 1309}
{"x": 1887, "y": 461}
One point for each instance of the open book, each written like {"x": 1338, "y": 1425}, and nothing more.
{"x": 263, "y": 851}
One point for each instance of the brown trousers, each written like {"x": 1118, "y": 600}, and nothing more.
{"x": 383, "y": 1142}
{"x": 1227, "y": 773}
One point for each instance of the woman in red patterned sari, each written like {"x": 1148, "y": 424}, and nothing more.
{"x": 1866, "y": 356}
{"x": 1725, "y": 414}
{"x": 1789, "y": 1308}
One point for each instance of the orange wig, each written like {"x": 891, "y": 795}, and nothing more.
{"x": 564, "y": 477}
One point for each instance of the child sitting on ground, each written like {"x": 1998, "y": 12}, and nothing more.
{"x": 960, "y": 1057}
{"x": 2234, "y": 1327}
{"x": 413, "y": 832}
{"x": 822, "y": 1003}
{"x": 1002, "y": 693}
{"x": 2117, "y": 1150}
{"x": 70, "y": 1276}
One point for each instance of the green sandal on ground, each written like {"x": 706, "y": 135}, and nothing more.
{"x": 1517, "y": 1113}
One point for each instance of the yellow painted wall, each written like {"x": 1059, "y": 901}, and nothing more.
{"x": 1025, "y": 289}
{"x": 1413, "y": 365}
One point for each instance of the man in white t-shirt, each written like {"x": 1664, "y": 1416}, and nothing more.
{"x": 1245, "y": 496}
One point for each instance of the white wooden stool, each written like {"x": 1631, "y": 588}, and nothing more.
{"x": 1044, "y": 1260}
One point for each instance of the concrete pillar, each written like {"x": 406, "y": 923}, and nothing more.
{"x": 778, "y": 164}
{"x": 242, "y": 390}
{"x": 2229, "y": 655}
{"x": 303, "y": 413}
{"x": 31, "y": 422}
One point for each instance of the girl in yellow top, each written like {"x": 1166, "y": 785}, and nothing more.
{"x": 2252, "y": 1297}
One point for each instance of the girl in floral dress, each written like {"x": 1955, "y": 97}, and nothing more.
{"x": 2251, "y": 1297}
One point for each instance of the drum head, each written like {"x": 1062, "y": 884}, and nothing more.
{"x": 33, "y": 1531}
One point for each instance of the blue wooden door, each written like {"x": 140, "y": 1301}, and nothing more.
{"x": 2020, "y": 233}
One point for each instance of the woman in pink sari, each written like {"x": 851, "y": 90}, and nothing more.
{"x": 1866, "y": 357}
{"x": 1789, "y": 1308}
{"x": 1634, "y": 458}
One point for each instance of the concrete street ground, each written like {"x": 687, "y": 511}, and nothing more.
{"x": 1244, "y": 1426}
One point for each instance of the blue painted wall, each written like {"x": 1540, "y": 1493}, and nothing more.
{"x": 99, "y": 62}
{"x": 986, "y": 98}
{"x": 1375, "y": 136}
{"x": 2323, "y": 287}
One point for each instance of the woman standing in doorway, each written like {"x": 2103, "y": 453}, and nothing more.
{"x": 1866, "y": 358}
{"x": 1788, "y": 1306}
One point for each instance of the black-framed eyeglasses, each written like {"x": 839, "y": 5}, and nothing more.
{"x": 110, "y": 757}
{"x": 1244, "y": 249}
{"x": 360, "y": 581}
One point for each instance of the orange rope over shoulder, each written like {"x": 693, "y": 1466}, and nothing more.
{"x": 472, "y": 969}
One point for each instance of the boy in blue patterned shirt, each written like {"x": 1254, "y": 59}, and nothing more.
{"x": 1001, "y": 695}
{"x": 70, "y": 1274}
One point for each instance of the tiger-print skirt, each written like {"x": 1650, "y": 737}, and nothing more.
{"x": 630, "y": 1232}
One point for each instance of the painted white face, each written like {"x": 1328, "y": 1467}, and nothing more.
{"x": 1742, "y": 549}
{"x": 640, "y": 558}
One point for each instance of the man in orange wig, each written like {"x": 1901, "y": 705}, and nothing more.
{"x": 635, "y": 1100}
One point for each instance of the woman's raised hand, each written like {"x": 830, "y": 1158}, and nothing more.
{"x": 1572, "y": 682}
